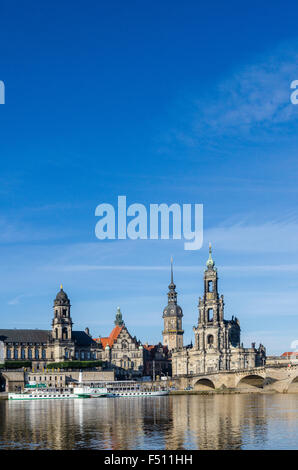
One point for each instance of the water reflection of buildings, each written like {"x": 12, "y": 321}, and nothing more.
{"x": 216, "y": 422}
{"x": 97, "y": 423}
{"x": 177, "y": 422}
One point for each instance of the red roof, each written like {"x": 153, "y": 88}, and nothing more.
{"x": 292, "y": 353}
{"x": 149, "y": 347}
{"x": 110, "y": 340}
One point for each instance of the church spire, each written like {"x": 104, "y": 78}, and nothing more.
{"x": 172, "y": 294}
{"x": 210, "y": 263}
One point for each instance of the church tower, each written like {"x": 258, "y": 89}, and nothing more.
{"x": 62, "y": 322}
{"x": 172, "y": 315}
{"x": 214, "y": 333}
{"x": 211, "y": 307}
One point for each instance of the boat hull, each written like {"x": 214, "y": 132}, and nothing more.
{"x": 25, "y": 397}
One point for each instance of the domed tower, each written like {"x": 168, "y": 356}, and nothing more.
{"x": 172, "y": 315}
{"x": 62, "y": 322}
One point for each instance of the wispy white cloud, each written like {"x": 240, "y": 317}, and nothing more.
{"x": 250, "y": 101}
{"x": 16, "y": 300}
{"x": 272, "y": 236}
{"x": 25, "y": 232}
{"x": 225, "y": 268}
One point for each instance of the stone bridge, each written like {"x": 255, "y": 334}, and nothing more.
{"x": 11, "y": 381}
{"x": 281, "y": 379}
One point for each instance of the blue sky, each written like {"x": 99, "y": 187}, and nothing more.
{"x": 168, "y": 101}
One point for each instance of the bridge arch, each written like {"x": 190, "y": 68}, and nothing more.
{"x": 204, "y": 384}
{"x": 3, "y": 383}
{"x": 293, "y": 386}
{"x": 251, "y": 381}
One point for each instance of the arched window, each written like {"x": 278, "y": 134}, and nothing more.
{"x": 124, "y": 344}
{"x": 210, "y": 314}
{"x": 29, "y": 353}
{"x": 15, "y": 354}
{"x": 23, "y": 353}
{"x": 64, "y": 333}
{"x": 210, "y": 286}
{"x": 36, "y": 353}
{"x": 44, "y": 355}
{"x": 210, "y": 340}
{"x": 56, "y": 333}
{"x": 8, "y": 353}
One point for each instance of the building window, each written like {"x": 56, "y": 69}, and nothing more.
{"x": 210, "y": 314}
{"x": 15, "y": 354}
{"x": 29, "y": 353}
{"x": 23, "y": 353}
{"x": 210, "y": 286}
{"x": 8, "y": 354}
{"x": 43, "y": 354}
{"x": 66, "y": 354}
{"x": 210, "y": 340}
{"x": 36, "y": 354}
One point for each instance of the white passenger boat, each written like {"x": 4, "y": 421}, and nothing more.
{"x": 133, "y": 390}
{"x": 43, "y": 395}
{"x": 137, "y": 393}
{"x": 87, "y": 391}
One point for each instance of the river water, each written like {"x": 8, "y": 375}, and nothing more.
{"x": 251, "y": 421}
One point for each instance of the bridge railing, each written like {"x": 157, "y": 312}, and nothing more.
{"x": 216, "y": 372}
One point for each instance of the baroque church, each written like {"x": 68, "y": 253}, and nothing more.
{"x": 217, "y": 340}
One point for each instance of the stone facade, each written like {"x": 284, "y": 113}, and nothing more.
{"x": 121, "y": 351}
{"x": 217, "y": 341}
{"x": 41, "y": 347}
{"x": 157, "y": 361}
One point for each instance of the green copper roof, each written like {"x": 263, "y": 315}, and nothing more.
{"x": 210, "y": 263}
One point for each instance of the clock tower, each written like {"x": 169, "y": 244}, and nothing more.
{"x": 172, "y": 316}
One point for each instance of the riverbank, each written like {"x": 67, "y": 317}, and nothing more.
{"x": 223, "y": 392}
